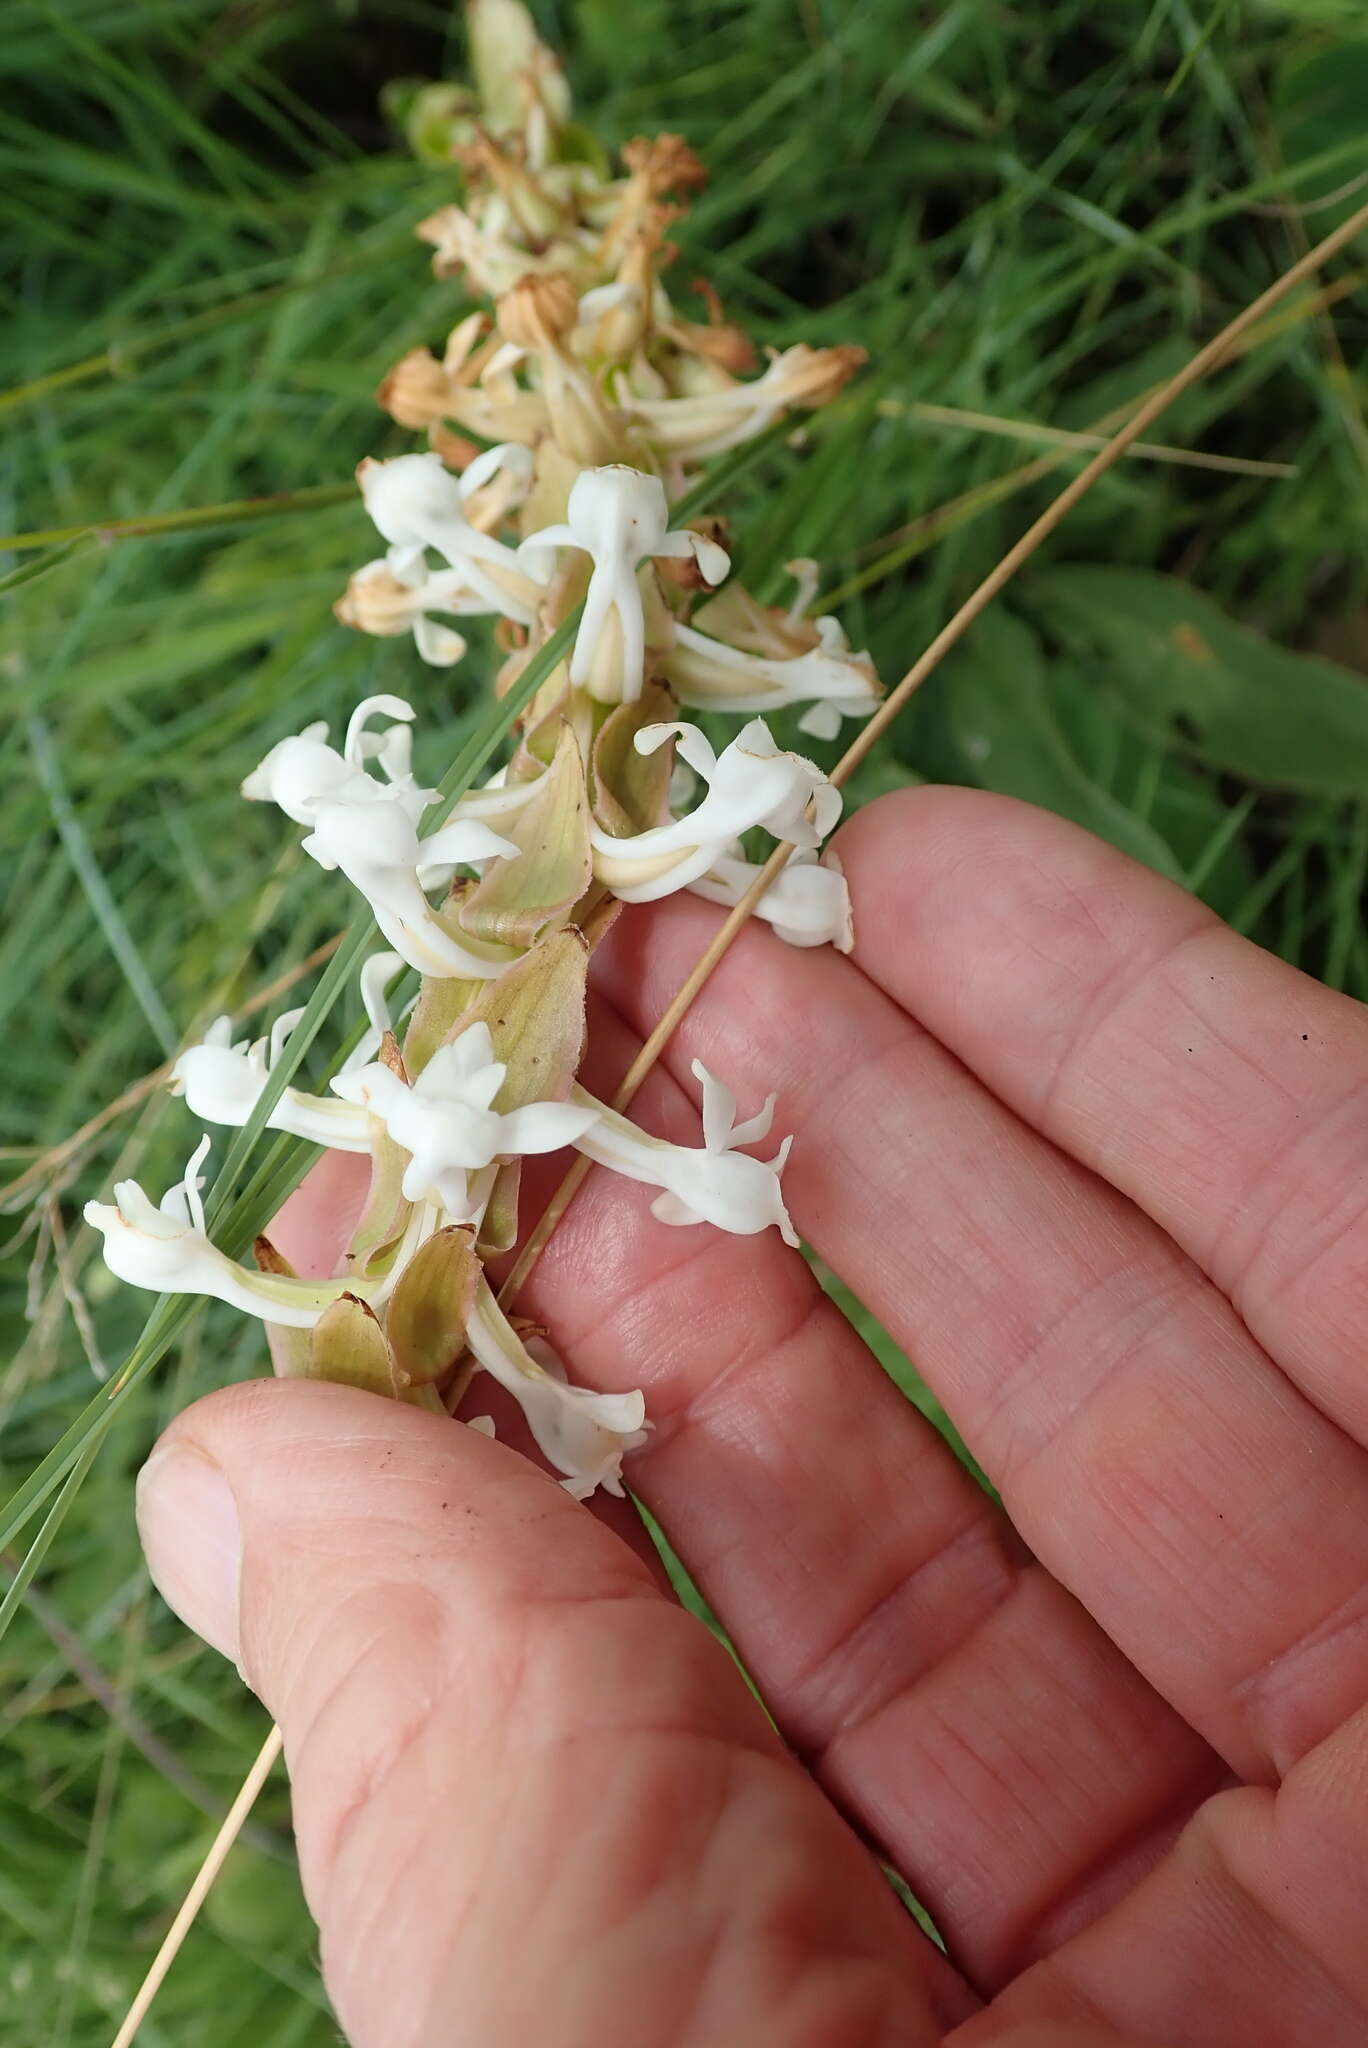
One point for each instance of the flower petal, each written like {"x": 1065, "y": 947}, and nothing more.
{"x": 584, "y": 1435}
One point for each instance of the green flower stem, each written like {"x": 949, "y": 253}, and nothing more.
{"x": 238, "y": 512}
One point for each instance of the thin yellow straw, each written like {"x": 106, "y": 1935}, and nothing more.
{"x": 199, "y": 1890}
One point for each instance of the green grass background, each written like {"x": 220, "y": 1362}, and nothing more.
{"x": 1030, "y": 210}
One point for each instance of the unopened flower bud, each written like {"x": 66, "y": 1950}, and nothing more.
{"x": 417, "y": 390}
{"x": 538, "y": 311}
{"x": 506, "y": 52}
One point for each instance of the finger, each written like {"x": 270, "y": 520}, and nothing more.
{"x": 1151, "y": 1454}
{"x": 313, "y": 1226}
{"x": 1223, "y": 1091}
{"x": 1250, "y": 1931}
{"x": 1003, "y": 1753}
{"x": 533, "y": 1799}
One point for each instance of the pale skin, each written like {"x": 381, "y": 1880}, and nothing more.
{"x": 1097, "y": 1163}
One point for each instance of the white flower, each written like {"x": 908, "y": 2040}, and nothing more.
{"x": 619, "y": 516}
{"x": 369, "y": 830}
{"x": 376, "y": 846}
{"x": 807, "y": 903}
{"x": 583, "y": 1434}
{"x": 166, "y": 1250}
{"x": 709, "y": 674}
{"x": 222, "y": 1081}
{"x": 751, "y": 783}
{"x": 379, "y": 601}
{"x": 417, "y": 503}
{"x": 714, "y": 1183}
{"x": 446, "y": 1122}
{"x": 303, "y": 772}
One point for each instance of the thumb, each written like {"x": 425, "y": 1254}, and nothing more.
{"x": 532, "y": 1796}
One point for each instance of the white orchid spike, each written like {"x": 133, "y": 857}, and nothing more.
{"x": 166, "y": 1250}
{"x": 807, "y": 903}
{"x": 417, "y": 503}
{"x": 715, "y": 1183}
{"x": 584, "y": 1435}
{"x": 619, "y": 516}
{"x": 751, "y": 783}
{"x": 710, "y": 675}
{"x": 447, "y": 1124}
{"x": 222, "y": 1082}
{"x": 593, "y": 398}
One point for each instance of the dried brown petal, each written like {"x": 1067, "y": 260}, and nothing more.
{"x": 664, "y": 164}
{"x": 376, "y": 602}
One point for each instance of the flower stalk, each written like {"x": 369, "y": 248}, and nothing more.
{"x": 562, "y": 424}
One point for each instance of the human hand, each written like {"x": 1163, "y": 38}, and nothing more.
{"x": 1096, "y": 1162}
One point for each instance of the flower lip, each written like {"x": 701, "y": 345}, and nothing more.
{"x": 445, "y": 1120}
{"x": 585, "y": 1435}
{"x": 716, "y": 1183}
{"x": 751, "y": 783}
{"x": 376, "y": 845}
{"x": 620, "y": 517}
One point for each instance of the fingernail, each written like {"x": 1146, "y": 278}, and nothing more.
{"x": 188, "y": 1522}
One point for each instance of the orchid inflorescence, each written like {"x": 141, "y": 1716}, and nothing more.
{"x": 560, "y": 428}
